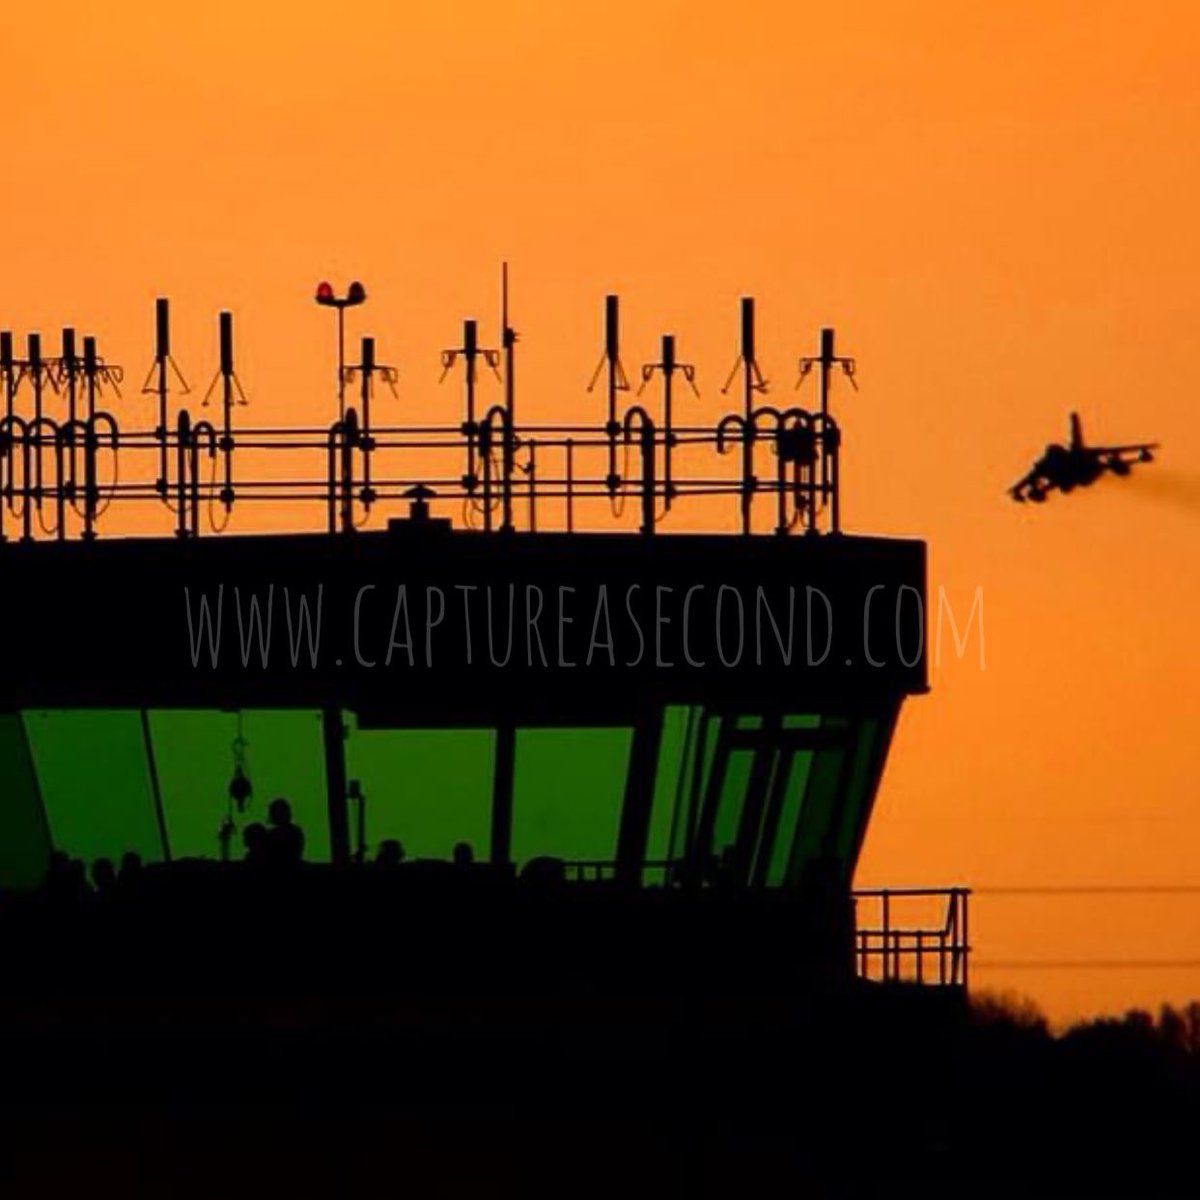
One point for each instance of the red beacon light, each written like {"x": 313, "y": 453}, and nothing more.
{"x": 328, "y": 298}
{"x": 325, "y": 295}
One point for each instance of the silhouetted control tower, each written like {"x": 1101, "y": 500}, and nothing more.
{"x": 628, "y": 713}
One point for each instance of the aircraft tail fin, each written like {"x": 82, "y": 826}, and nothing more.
{"x": 1076, "y": 432}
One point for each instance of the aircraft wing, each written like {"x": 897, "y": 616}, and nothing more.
{"x": 1137, "y": 448}
{"x": 1031, "y": 486}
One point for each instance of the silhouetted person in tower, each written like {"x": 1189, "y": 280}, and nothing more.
{"x": 255, "y": 839}
{"x": 390, "y": 854}
{"x": 285, "y": 839}
{"x": 463, "y": 856}
{"x": 129, "y": 878}
{"x": 78, "y": 885}
{"x": 104, "y": 878}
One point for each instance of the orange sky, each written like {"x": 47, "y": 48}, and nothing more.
{"x": 995, "y": 204}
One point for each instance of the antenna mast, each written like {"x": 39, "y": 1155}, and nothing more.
{"x": 617, "y": 382}
{"x": 752, "y": 384}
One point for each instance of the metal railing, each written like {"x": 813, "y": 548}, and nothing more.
{"x": 913, "y": 935}
{"x": 60, "y": 479}
{"x": 902, "y": 935}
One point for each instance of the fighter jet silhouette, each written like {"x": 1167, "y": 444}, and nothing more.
{"x": 1077, "y": 465}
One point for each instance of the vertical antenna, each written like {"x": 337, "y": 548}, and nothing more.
{"x": 158, "y": 383}
{"x": 8, "y": 445}
{"x": 162, "y": 355}
{"x": 668, "y": 366}
{"x": 90, "y": 369}
{"x": 827, "y": 339}
{"x": 508, "y": 342}
{"x": 8, "y": 370}
{"x": 368, "y": 369}
{"x": 34, "y": 354}
{"x": 231, "y": 393}
{"x": 69, "y": 367}
{"x": 227, "y": 380}
{"x": 749, "y": 370}
{"x": 668, "y": 370}
{"x": 469, "y": 351}
{"x": 752, "y": 383}
{"x": 617, "y": 382}
{"x": 827, "y": 360}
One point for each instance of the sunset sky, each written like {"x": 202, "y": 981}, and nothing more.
{"x": 995, "y": 204}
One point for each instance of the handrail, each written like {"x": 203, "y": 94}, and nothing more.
{"x": 279, "y": 465}
{"x": 922, "y": 954}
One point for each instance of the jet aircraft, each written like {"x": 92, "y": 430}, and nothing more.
{"x": 1077, "y": 465}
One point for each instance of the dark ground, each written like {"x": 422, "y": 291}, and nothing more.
{"x": 267, "y": 1043}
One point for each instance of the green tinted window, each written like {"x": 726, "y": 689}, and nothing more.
{"x": 430, "y": 788}
{"x": 860, "y": 788}
{"x": 24, "y": 835}
{"x": 672, "y": 784}
{"x": 284, "y": 757}
{"x": 795, "y": 787}
{"x": 818, "y": 810}
{"x": 801, "y": 721}
{"x": 91, "y": 766}
{"x": 733, "y": 798}
{"x": 568, "y": 788}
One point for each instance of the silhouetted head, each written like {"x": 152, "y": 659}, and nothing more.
{"x": 131, "y": 863}
{"x": 59, "y": 862}
{"x": 390, "y": 853}
{"x": 254, "y": 838}
{"x": 104, "y": 874}
{"x": 464, "y": 856}
{"x": 279, "y": 812}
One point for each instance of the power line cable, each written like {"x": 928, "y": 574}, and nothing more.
{"x": 1086, "y": 964}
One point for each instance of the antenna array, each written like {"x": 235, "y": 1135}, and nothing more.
{"x": 64, "y": 457}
